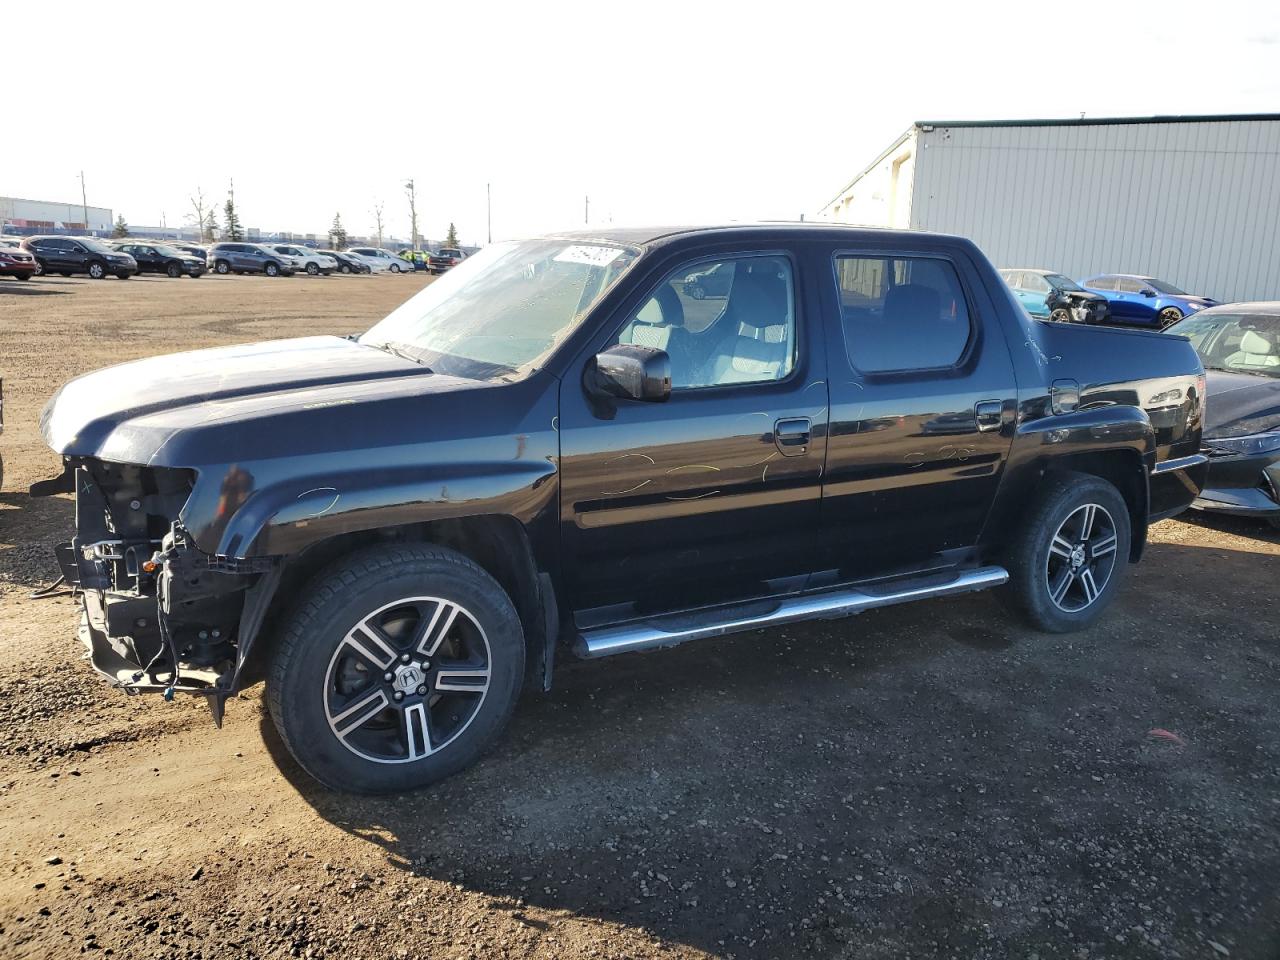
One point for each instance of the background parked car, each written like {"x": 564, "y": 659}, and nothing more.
{"x": 159, "y": 258}
{"x": 445, "y": 259}
{"x": 194, "y": 250}
{"x": 249, "y": 258}
{"x": 380, "y": 260}
{"x": 1145, "y": 301}
{"x": 312, "y": 261}
{"x": 11, "y": 242}
{"x": 712, "y": 281}
{"x": 16, "y": 262}
{"x": 348, "y": 263}
{"x": 1050, "y": 295}
{"x": 68, "y": 255}
{"x": 1239, "y": 345}
{"x": 418, "y": 259}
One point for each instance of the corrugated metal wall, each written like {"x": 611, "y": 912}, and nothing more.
{"x": 1195, "y": 203}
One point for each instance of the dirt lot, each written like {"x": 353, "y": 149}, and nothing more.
{"x": 930, "y": 780}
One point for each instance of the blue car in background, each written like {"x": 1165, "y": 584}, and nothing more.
{"x": 1145, "y": 301}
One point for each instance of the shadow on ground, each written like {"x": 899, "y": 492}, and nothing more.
{"x": 925, "y": 780}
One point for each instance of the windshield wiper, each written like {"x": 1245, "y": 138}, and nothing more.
{"x": 399, "y": 350}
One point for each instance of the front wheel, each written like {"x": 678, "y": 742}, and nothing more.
{"x": 1060, "y": 315}
{"x": 399, "y": 667}
{"x": 313, "y": 269}
{"x": 1067, "y": 560}
{"x": 345, "y": 269}
{"x": 173, "y": 271}
{"x": 97, "y": 270}
{"x": 222, "y": 267}
{"x": 271, "y": 270}
{"x": 395, "y": 268}
{"x": 1169, "y": 316}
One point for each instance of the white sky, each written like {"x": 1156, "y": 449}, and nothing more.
{"x": 660, "y": 112}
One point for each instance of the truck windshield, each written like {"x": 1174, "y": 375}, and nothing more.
{"x": 503, "y": 310}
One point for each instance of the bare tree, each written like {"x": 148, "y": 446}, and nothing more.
{"x": 413, "y": 214}
{"x": 203, "y": 215}
{"x": 377, "y": 219}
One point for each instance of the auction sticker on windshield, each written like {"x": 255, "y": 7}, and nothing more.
{"x": 592, "y": 256}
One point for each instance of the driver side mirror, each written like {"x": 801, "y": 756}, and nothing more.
{"x": 632, "y": 372}
{"x": 1147, "y": 292}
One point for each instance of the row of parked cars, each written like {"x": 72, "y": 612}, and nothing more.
{"x": 33, "y": 256}
{"x": 1111, "y": 298}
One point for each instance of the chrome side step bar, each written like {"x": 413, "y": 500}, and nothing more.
{"x": 671, "y": 629}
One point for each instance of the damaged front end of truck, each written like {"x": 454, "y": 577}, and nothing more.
{"x": 159, "y": 614}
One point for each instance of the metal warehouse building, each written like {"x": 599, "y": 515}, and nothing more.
{"x": 43, "y": 216}
{"x": 1194, "y": 200}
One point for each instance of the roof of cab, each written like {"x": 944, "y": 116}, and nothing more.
{"x": 645, "y": 236}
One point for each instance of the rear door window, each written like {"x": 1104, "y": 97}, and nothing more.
{"x": 902, "y": 313}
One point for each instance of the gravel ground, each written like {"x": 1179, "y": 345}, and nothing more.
{"x": 930, "y": 780}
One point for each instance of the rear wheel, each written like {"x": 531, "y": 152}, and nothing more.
{"x": 400, "y": 666}
{"x": 1067, "y": 560}
{"x": 1169, "y": 316}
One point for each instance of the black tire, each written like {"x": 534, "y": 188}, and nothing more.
{"x": 271, "y": 270}
{"x": 23, "y": 276}
{"x": 1054, "y": 521}
{"x": 315, "y": 677}
{"x": 123, "y": 276}
{"x": 1169, "y": 316}
{"x": 345, "y": 268}
{"x": 1060, "y": 315}
{"x": 313, "y": 269}
{"x": 97, "y": 270}
{"x": 65, "y": 273}
{"x": 222, "y": 267}
{"x": 394, "y": 268}
{"x": 173, "y": 270}
{"x": 39, "y": 269}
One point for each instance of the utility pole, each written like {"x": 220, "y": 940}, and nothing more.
{"x": 84, "y": 202}
{"x": 488, "y": 209}
{"x": 586, "y": 211}
{"x": 413, "y": 214}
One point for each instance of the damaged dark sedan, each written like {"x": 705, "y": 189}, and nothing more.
{"x": 556, "y": 449}
{"x": 1239, "y": 344}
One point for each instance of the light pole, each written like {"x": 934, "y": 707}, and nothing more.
{"x": 488, "y": 209}
{"x": 84, "y": 203}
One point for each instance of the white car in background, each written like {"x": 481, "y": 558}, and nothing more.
{"x": 312, "y": 261}
{"x": 380, "y": 260}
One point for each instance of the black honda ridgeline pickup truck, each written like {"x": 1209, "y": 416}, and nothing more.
{"x": 555, "y": 447}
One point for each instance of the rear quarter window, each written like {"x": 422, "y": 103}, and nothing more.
{"x": 901, "y": 313}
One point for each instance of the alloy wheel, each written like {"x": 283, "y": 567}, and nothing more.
{"x": 1169, "y": 316}
{"x": 407, "y": 680}
{"x": 1082, "y": 556}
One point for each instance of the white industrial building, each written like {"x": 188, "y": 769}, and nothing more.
{"x": 37, "y": 216}
{"x": 1194, "y": 200}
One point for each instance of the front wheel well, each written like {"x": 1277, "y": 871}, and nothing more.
{"x": 499, "y": 544}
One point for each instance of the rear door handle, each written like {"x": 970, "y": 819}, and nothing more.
{"x": 792, "y": 436}
{"x": 988, "y": 415}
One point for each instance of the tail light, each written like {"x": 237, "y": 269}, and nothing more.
{"x": 1202, "y": 383}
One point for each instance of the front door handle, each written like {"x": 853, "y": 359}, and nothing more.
{"x": 988, "y": 414}
{"x": 792, "y": 436}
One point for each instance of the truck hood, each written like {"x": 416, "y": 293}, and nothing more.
{"x": 89, "y": 415}
{"x": 1240, "y": 404}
